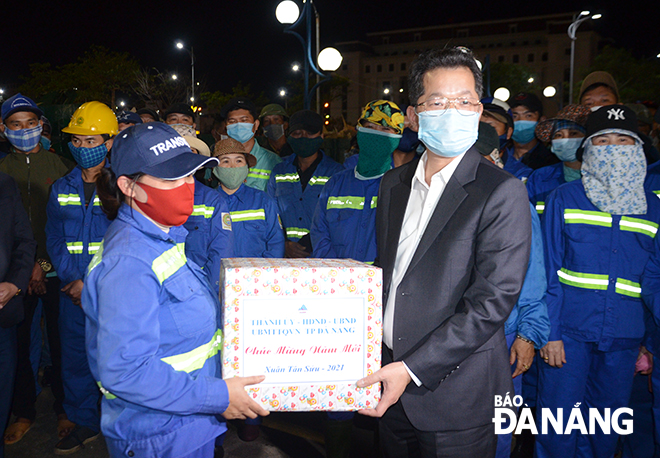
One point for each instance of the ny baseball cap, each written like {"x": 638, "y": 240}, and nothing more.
{"x": 19, "y": 102}
{"x": 154, "y": 148}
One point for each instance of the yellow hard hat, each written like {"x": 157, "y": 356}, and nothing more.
{"x": 92, "y": 118}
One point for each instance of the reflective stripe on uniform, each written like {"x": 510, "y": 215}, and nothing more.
{"x": 195, "y": 359}
{"x": 587, "y": 217}
{"x": 68, "y": 199}
{"x": 74, "y": 247}
{"x": 203, "y": 210}
{"x": 97, "y": 201}
{"x": 248, "y": 215}
{"x": 582, "y": 280}
{"x": 339, "y": 202}
{"x": 262, "y": 174}
{"x": 298, "y": 232}
{"x": 628, "y": 288}
{"x": 374, "y": 201}
{"x": 166, "y": 265}
{"x": 641, "y": 226}
{"x": 318, "y": 180}
{"x": 93, "y": 247}
{"x": 287, "y": 177}
{"x": 106, "y": 393}
{"x": 96, "y": 260}
{"x": 540, "y": 207}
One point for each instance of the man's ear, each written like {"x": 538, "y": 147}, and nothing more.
{"x": 256, "y": 125}
{"x": 509, "y": 132}
{"x": 412, "y": 117}
{"x": 108, "y": 143}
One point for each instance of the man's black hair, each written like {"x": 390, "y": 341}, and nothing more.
{"x": 441, "y": 58}
{"x": 597, "y": 85}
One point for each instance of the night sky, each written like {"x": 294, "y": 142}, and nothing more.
{"x": 242, "y": 40}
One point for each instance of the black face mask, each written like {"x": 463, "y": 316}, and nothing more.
{"x": 303, "y": 146}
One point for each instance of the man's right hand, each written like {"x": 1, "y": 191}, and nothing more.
{"x": 294, "y": 250}
{"x": 37, "y": 283}
{"x": 241, "y": 406}
{"x": 553, "y": 353}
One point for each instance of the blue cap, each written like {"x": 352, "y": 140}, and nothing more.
{"x": 18, "y": 103}
{"x": 128, "y": 117}
{"x": 154, "y": 148}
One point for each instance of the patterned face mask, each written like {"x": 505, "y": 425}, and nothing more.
{"x": 24, "y": 139}
{"x": 613, "y": 178}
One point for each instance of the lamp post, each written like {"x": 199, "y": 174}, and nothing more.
{"x": 572, "y": 31}
{"x": 282, "y": 94}
{"x": 179, "y": 45}
{"x": 329, "y": 59}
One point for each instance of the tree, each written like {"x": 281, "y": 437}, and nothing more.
{"x": 160, "y": 90}
{"x": 216, "y": 100}
{"x": 514, "y": 77}
{"x": 637, "y": 79}
{"x": 97, "y": 75}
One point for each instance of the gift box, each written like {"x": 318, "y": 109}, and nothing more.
{"x": 313, "y": 327}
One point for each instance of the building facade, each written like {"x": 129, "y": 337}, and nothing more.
{"x": 378, "y": 67}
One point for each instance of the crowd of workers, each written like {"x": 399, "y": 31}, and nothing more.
{"x": 128, "y": 224}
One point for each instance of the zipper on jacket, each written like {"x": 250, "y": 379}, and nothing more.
{"x": 27, "y": 159}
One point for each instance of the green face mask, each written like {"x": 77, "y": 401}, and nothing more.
{"x": 376, "y": 148}
{"x": 231, "y": 177}
{"x": 304, "y": 146}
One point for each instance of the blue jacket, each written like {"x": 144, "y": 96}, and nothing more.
{"x": 73, "y": 231}
{"x": 344, "y": 224}
{"x": 594, "y": 264}
{"x": 542, "y": 182}
{"x": 516, "y": 167}
{"x": 152, "y": 337}
{"x": 529, "y": 317}
{"x": 297, "y": 207}
{"x": 209, "y": 232}
{"x": 255, "y": 223}
{"x": 652, "y": 181}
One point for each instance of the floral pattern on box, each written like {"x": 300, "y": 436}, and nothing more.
{"x": 273, "y": 283}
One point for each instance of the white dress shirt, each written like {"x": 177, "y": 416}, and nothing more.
{"x": 421, "y": 205}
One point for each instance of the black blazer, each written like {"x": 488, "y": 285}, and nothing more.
{"x": 458, "y": 291}
{"x": 17, "y": 248}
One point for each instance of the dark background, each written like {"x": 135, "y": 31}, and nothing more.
{"x": 242, "y": 40}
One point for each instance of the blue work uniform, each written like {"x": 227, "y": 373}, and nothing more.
{"x": 515, "y": 167}
{"x": 542, "y": 182}
{"x": 297, "y": 206}
{"x": 344, "y": 224}
{"x": 255, "y": 223}
{"x": 152, "y": 342}
{"x": 74, "y": 232}
{"x": 529, "y": 317}
{"x": 652, "y": 181}
{"x": 594, "y": 265}
{"x": 210, "y": 236}
{"x": 259, "y": 175}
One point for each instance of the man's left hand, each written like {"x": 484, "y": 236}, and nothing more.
{"x": 7, "y": 291}
{"x": 74, "y": 291}
{"x": 524, "y": 353}
{"x": 395, "y": 378}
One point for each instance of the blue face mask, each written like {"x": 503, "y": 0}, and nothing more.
{"x": 88, "y": 157}
{"x": 571, "y": 174}
{"x": 523, "y": 131}
{"x": 409, "y": 141}
{"x": 565, "y": 148}
{"x": 240, "y": 131}
{"x": 45, "y": 142}
{"x": 25, "y": 139}
{"x": 448, "y": 133}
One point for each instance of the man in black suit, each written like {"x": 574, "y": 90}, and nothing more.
{"x": 17, "y": 250}
{"x": 453, "y": 234}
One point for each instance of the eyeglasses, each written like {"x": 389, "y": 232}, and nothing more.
{"x": 442, "y": 104}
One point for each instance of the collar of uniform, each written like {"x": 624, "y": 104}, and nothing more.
{"x": 239, "y": 194}
{"x": 257, "y": 151}
{"x": 143, "y": 224}
{"x": 444, "y": 174}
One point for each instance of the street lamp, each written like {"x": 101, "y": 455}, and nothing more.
{"x": 502, "y": 93}
{"x": 174, "y": 77}
{"x": 282, "y": 93}
{"x": 329, "y": 59}
{"x": 122, "y": 104}
{"x": 549, "y": 91}
{"x": 295, "y": 67}
{"x": 179, "y": 45}
{"x": 530, "y": 80}
{"x": 572, "y": 31}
